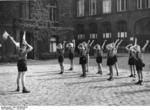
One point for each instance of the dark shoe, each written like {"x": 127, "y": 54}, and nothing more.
{"x": 17, "y": 90}
{"x": 131, "y": 75}
{"x": 138, "y": 83}
{"x": 108, "y": 74}
{"x": 117, "y": 73}
{"x": 99, "y": 72}
{"x": 110, "y": 79}
{"x": 141, "y": 82}
{"x": 25, "y": 90}
{"x": 71, "y": 69}
{"x": 61, "y": 72}
{"x": 83, "y": 75}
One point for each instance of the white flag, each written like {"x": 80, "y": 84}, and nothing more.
{"x": 5, "y": 35}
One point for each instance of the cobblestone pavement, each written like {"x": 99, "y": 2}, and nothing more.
{"x": 49, "y": 88}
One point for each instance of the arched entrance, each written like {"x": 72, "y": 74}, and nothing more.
{"x": 142, "y": 31}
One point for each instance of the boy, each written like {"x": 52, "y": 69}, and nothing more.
{"x": 23, "y": 50}
{"x": 99, "y": 52}
{"x": 139, "y": 61}
{"x": 112, "y": 57}
{"x": 83, "y": 58}
{"x": 60, "y": 52}
{"x": 71, "y": 48}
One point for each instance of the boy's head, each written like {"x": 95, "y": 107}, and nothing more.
{"x": 82, "y": 47}
{"x": 70, "y": 45}
{"x": 84, "y": 44}
{"x": 110, "y": 46}
{"x": 59, "y": 46}
{"x": 98, "y": 47}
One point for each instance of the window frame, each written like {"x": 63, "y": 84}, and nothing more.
{"x": 92, "y": 10}
{"x": 80, "y": 8}
{"x": 105, "y": 5}
{"x": 121, "y": 5}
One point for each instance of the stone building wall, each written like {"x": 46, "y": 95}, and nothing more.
{"x": 33, "y": 16}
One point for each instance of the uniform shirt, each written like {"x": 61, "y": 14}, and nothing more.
{"x": 71, "y": 50}
{"x": 131, "y": 54}
{"x": 83, "y": 52}
{"x": 98, "y": 52}
{"x": 22, "y": 54}
{"x": 112, "y": 53}
{"x": 87, "y": 49}
{"x": 60, "y": 52}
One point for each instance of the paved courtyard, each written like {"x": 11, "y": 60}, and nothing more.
{"x": 49, "y": 88}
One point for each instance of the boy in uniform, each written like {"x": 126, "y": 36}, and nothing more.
{"x": 99, "y": 53}
{"x": 83, "y": 58}
{"x": 71, "y": 48}
{"x": 23, "y": 50}
{"x": 60, "y": 52}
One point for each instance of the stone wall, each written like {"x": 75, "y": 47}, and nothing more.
{"x": 9, "y": 11}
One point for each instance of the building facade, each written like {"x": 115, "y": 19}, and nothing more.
{"x": 46, "y": 22}
{"x": 112, "y": 19}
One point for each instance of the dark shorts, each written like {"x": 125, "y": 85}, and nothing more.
{"x": 111, "y": 61}
{"x": 139, "y": 65}
{"x": 99, "y": 59}
{"x": 71, "y": 56}
{"x": 131, "y": 61}
{"x": 83, "y": 60}
{"x": 115, "y": 59}
{"x": 60, "y": 59}
{"x": 22, "y": 66}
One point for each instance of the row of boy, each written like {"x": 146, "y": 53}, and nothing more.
{"x": 135, "y": 56}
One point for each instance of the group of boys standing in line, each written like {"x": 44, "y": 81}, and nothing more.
{"x": 135, "y": 60}
{"x": 135, "y": 57}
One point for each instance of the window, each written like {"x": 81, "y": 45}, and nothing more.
{"x": 93, "y": 36}
{"x": 81, "y": 36}
{"x": 52, "y": 45}
{"x": 122, "y": 29}
{"x": 92, "y": 7}
{"x": 107, "y": 6}
{"x": 93, "y": 31}
{"x": 80, "y": 8}
{"x": 121, "y": 5}
{"x": 53, "y": 11}
{"x": 106, "y": 30}
{"x": 139, "y": 4}
{"x": 80, "y": 31}
{"x": 143, "y": 4}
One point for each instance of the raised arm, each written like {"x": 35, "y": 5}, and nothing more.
{"x": 91, "y": 43}
{"x": 104, "y": 44}
{"x": 88, "y": 42}
{"x": 146, "y": 44}
{"x": 116, "y": 42}
{"x": 127, "y": 47}
{"x": 74, "y": 43}
{"x": 135, "y": 43}
{"x": 64, "y": 44}
{"x": 95, "y": 46}
{"x": 30, "y": 48}
{"x": 14, "y": 42}
{"x": 119, "y": 44}
{"x": 24, "y": 36}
